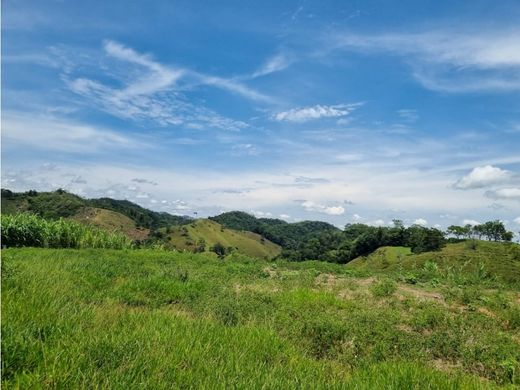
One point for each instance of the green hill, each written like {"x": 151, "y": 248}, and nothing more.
{"x": 111, "y": 221}
{"x": 188, "y": 237}
{"x": 287, "y": 235}
{"x": 493, "y": 259}
{"x": 62, "y": 204}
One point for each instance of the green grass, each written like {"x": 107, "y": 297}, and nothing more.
{"x": 476, "y": 262}
{"x": 111, "y": 221}
{"x": 248, "y": 243}
{"x": 30, "y": 230}
{"x": 153, "y": 319}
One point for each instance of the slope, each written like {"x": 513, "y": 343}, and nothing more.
{"x": 488, "y": 259}
{"x": 111, "y": 221}
{"x": 188, "y": 236}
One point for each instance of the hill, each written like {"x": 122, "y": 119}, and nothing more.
{"x": 111, "y": 221}
{"x": 62, "y": 204}
{"x": 188, "y": 237}
{"x": 483, "y": 259}
{"x": 287, "y": 235}
{"x": 116, "y": 318}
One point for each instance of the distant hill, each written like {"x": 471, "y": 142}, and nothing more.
{"x": 287, "y": 235}
{"x": 497, "y": 259}
{"x": 189, "y": 237}
{"x": 62, "y": 204}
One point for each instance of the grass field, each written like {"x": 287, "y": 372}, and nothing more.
{"x": 154, "y": 319}
{"x": 248, "y": 243}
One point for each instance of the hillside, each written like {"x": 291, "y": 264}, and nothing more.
{"x": 111, "y": 221}
{"x": 187, "y": 237}
{"x": 62, "y": 204}
{"x": 287, "y": 235}
{"x": 487, "y": 259}
{"x": 115, "y": 318}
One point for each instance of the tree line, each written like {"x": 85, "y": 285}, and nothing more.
{"x": 491, "y": 230}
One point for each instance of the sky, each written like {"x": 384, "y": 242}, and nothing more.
{"x": 341, "y": 111}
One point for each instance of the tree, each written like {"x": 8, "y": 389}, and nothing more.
{"x": 219, "y": 249}
{"x": 201, "y": 246}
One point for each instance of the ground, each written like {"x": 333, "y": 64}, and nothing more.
{"x": 156, "y": 319}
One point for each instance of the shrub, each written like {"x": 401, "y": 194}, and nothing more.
{"x": 384, "y": 288}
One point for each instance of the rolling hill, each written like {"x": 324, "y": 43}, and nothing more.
{"x": 287, "y": 235}
{"x": 188, "y": 237}
{"x": 62, "y": 204}
{"x": 481, "y": 258}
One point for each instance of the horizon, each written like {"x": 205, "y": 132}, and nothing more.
{"x": 339, "y": 112}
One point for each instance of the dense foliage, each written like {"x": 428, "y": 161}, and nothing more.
{"x": 360, "y": 240}
{"x": 287, "y": 235}
{"x": 25, "y": 229}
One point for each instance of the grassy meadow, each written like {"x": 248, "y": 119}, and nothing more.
{"x": 97, "y": 318}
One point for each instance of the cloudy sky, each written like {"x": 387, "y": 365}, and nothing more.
{"x": 347, "y": 111}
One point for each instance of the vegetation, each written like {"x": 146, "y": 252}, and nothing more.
{"x": 287, "y": 235}
{"x": 30, "y": 230}
{"x": 61, "y": 204}
{"x": 491, "y": 230}
{"x": 156, "y": 319}
{"x": 360, "y": 240}
{"x": 204, "y": 235}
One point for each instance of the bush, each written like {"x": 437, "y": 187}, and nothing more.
{"x": 30, "y": 230}
{"x": 384, "y": 288}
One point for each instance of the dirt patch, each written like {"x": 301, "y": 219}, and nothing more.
{"x": 445, "y": 365}
{"x": 486, "y": 312}
{"x": 421, "y": 294}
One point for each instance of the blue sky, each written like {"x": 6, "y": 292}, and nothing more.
{"x": 347, "y": 111}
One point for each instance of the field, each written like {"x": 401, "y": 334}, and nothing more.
{"x": 96, "y": 318}
{"x": 186, "y": 238}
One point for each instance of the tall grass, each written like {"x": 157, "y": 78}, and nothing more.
{"x": 26, "y": 229}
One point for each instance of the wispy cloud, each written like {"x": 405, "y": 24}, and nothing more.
{"x": 304, "y": 114}
{"x": 156, "y": 93}
{"x": 504, "y": 194}
{"x": 48, "y": 133}
{"x": 447, "y": 60}
{"x": 274, "y": 64}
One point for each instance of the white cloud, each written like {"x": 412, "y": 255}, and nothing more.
{"x": 408, "y": 115}
{"x": 484, "y": 176}
{"x": 504, "y": 193}
{"x": 517, "y": 220}
{"x": 420, "y": 221}
{"x": 377, "y": 222}
{"x": 261, "y": 214}
{"x": 471, "y": 222}
{"x": 321, "y": 208}
{"x": 285, "y": 216}
{"x": 450, "y": 60}
{"x": 305, "y": 114}
{"x": 274, "y": 64}
{"x": 357, "y": 217}
{"x": 152, "y": 92}
{"x": 48, "y": 133}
